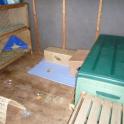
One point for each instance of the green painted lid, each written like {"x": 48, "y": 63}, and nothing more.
{"x": 106, "y": 60}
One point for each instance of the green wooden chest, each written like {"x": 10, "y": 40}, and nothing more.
{"x": 102, "y": 73}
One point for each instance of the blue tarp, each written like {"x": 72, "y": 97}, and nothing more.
{"x": 14, "y": 40}
{"x": 54, "y": 72}
{"x": 3, "y": 2}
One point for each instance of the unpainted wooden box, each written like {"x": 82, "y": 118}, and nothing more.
{"x": 77, "y": 60}
{"x": 58, "y": 55}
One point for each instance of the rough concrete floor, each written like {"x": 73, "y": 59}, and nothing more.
{"x": 47, "y": 102}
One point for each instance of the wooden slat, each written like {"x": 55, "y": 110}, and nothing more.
{"x": 84, "y": 111}
{"x": 98, "y": 111}
{"x": 116, "y": 114}
{"x": 11, "y": 60}
{"x": 123, "y": 115}
{"x": 36, "y": 28}
{"x": 12, "y": 6}
{"x": 14, "y": 31}
{"x": 77, "y": 108}
{"x": 64, "y": 24}
{"x": 105, "y": 113}
{"x": 23, "y": 17}
{"x": 23, "y": 33}
{"x": 99, "y": 18}
{"x": 95, "y": 112}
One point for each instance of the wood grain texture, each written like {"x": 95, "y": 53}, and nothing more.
{"x": 36, "y": 28}
{"x": 77, "y": 60}
{"x": 77, "y": 108}
{"x": 58, "y": 55}
{"x": 95, "y": 112}
{"x": 105, "y": 113}
{"x": 11, "y": 60}
{"x": 13, "y": 19}
{"x": 64, "y": 32}
{"x": 116, "y": 114}
{"x": 99, "y": 18}
{"x": 23, "y": 33}
{"x": 84, "y": 111}
{"x": 12, "y": 6}
{"x": 98, "y": 111}
{"x": 19, "y": 16}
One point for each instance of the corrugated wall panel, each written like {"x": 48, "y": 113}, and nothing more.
{"x": 81, "y": 21}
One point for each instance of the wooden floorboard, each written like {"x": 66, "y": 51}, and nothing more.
{"x": 47, "y": 101}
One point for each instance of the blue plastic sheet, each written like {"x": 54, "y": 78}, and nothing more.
{"x": 54, "y": 72}
{"x": 2, "y": 2}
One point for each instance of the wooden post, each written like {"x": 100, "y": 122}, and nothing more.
{"x": 36, "y": 28}
{"x": 64, "y": 24}
{"x": 99, "y": 18}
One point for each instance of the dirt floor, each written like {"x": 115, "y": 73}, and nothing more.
{"x": 46, "y": 101}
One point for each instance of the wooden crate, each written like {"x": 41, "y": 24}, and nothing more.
{"x": 23, "y": 34}
{"x": 93, "y": 110}
{"x": 13, "y": 17}
{"x": 14, "y": 21}
{"x": 77, "y": 60}
{"x": 58, "y": 55}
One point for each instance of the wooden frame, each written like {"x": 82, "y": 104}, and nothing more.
{"x": 36, "y": 28}
{"x": 14, "y": 22}
{"x": 13, "y": 6}
{"x": 22, "y": 32}
{"x": 11, "y": 61}
{"x": 99, "y": 18}
{"x": 14, "y": 19}
{"x": 9, "y": 33}
{"x": 64, "y": 33}
{"x": 94, "y": 110}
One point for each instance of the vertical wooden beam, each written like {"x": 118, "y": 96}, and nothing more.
{"x": 99, "y": 18}
{"x": 64, "y": 33}
{"x": 36, "y": 27}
